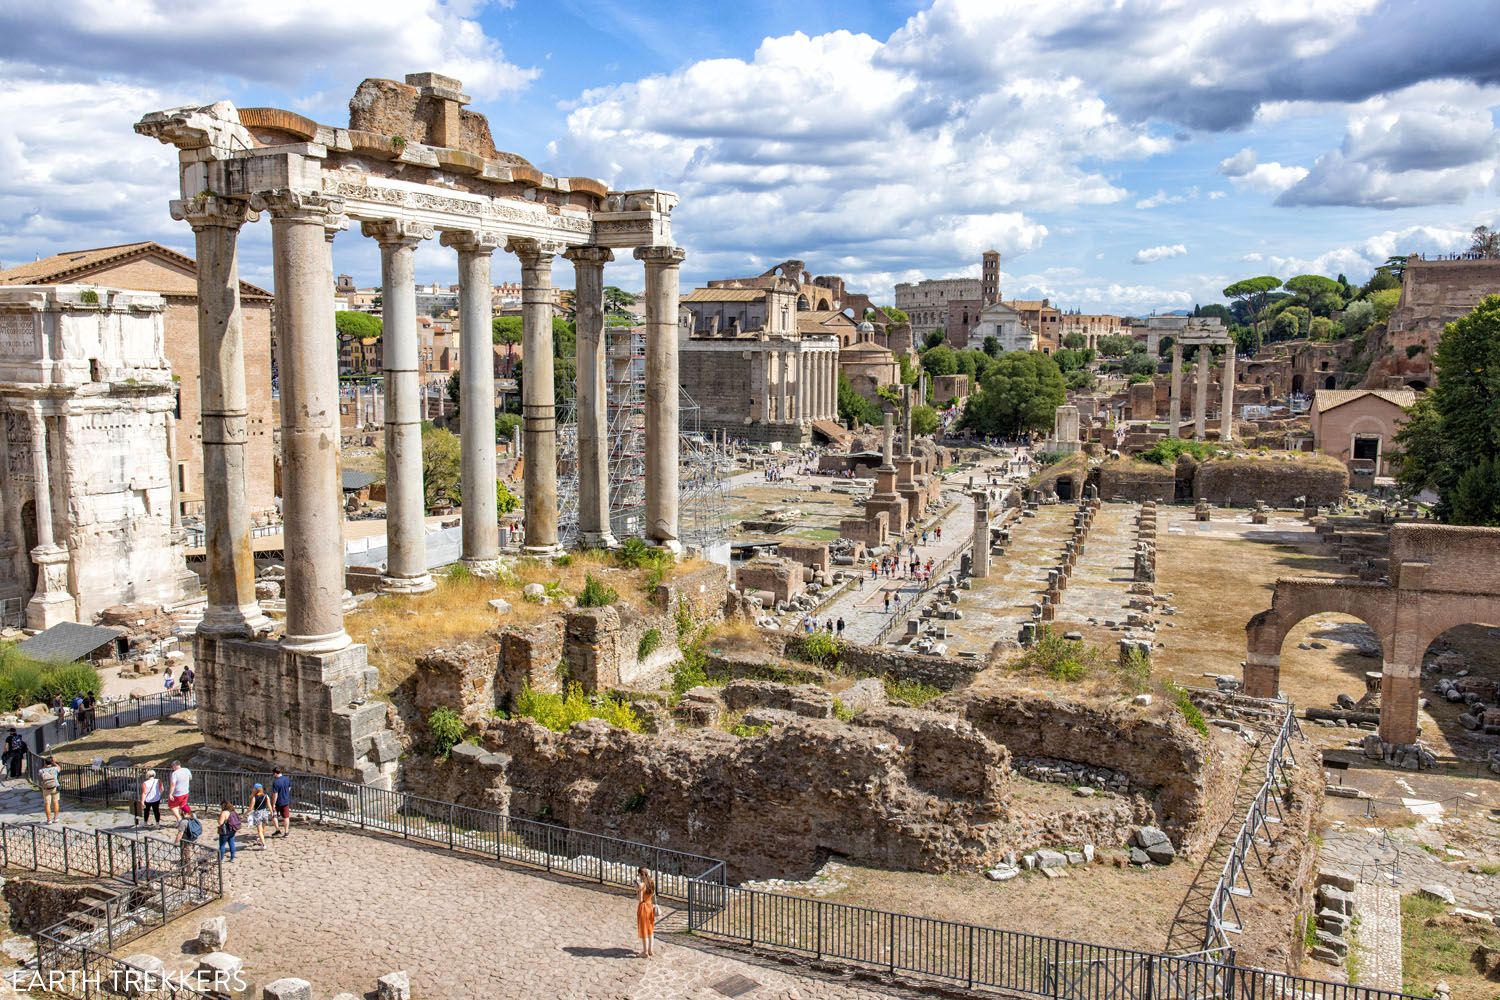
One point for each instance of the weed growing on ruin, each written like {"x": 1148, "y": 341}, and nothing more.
{"x": 1190, "y": 712}
{"x": 745, "y": 731}
{"x": 1309, "y": 932}
{"x": 1135, "y": 672}
{"x": 25, "y": 682}
{"x": 447, "y": 731}
{"x": 457, "y": 573}
{"x": 822, "y": 649}
{"x": 596, "y": 594}
{"x": 913, "y": 694}
{"x": 1168, "y": 450}
{"x": 563, "y": 560}
{"x": 635, "y": 801}
{"x": 841, "y": 711}
{"x": 558, "y": 712}
{"x": 634, "y": 553}
{"x": 1067, "y": 660}
{"x": 691, "y": 671}
{"x": 683, "y": 617}
{"x": 650, "y": 641}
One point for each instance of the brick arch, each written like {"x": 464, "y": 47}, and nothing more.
{"x": 1297, "y": 599}
{"x": 1449, "y": 612}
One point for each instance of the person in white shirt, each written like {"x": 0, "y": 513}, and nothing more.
{"x": 178, "y": 785}
{"x": 150, "y": 800}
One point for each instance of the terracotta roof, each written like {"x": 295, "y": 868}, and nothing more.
{"x": 1326, "y": 399}
{"x": 71, "y": 265}
{"x": 724, "y": 295}
{"x": 819, "y": 321}
{"x": 1028, "y": 305}
{"x": 867, "y": 347}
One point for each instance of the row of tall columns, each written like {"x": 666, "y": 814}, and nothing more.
{"x": 797, "y": 385}
{"x": 1200, "y": 395}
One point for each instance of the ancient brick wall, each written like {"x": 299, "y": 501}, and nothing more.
{"x": 1279, "y": 481}
{"x": 1136, "y": 481}
{"x": 898, "y": 664}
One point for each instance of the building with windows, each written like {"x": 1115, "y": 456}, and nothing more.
{"x": 1358, "y": 427}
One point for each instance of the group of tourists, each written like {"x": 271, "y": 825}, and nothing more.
{"x": 832, "y": 627}
{"x": 263, "y": 808}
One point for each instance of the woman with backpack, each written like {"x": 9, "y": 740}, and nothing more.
{"x": 260, "y": 813}
{"x": 229, "y": 826}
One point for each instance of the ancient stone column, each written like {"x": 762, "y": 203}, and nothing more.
{"x": 830, "y": 385}
{"x": 302, "y": 226}
{"x": 476, "y": 398}
{"x": 405, "y": 503}
{"x": 1226, "y": 414}
{"x": 1200, "y": 396}
{"x": 593, "y": 423}
{"x": 662, "y": 267}
{"x": 765, "y": 358}
{"x": 804, "y": 385}
{"x": 232, "y": 608}
{"x": 979, "y": 560}
{"x": 51, "y": 602}
{"x": 538, "y": 397}
{"x": 1174, "y": 409}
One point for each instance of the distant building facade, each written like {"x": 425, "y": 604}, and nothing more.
{"x": 1358, "y": 427}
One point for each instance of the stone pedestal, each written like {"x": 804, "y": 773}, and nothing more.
{"x": 306, "y": 712}
{"x": 51, "y": 603}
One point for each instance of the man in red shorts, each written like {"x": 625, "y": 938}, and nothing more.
{"x": 178, "y": 786}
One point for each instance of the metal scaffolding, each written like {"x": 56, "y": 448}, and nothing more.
{"x": 703, "y": 484}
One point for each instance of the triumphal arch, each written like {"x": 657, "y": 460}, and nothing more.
{"x": 412, "y": 165}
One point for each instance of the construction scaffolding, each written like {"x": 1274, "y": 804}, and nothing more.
{"x": 703, "y": 481}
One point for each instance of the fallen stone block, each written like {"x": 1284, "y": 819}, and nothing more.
{"x": 1139, "y": 857}
{"x": 393, "y": 986}
{"x": 1149, "y": 836}
{"x": 219, "y": 972}
{"x": 1162, "y": 854}
{"x": 1002, "y": 873}
{"x": 1336, "y": 899}
{"x": 1441, "y": 893}
{"x": 143, "y": 978}
{"x": 213, "y": 934}
{"x": 289, "y": 988}
{"x": 501, "y": 606}
{"x": 1050, "y": 859}
{"x": 1075, "y": 857}
{"x": 1336, "y": 877}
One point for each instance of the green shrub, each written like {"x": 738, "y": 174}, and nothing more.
{"x": 841, "y": 711}
{"x": 650, "y": 642}
{"x": 913, "y": 694}
{"x": 1067, "y": 660}
{"x": 68, "y": 680}
{"x": 558, "y": 712}
{"x": 596, "y": 594}
{"x": 748, "y": 732}
{"x": 634, "y": 553}
{"x": 1190, "y": 712}
{"x": 821, "y": 648}
{"x": 447, "y": 731}
{"x": 691, "y": 671}
{"x": 683, "y": 618}
{"x": 457, "y": 573}
{"x": 1135, "y": 672}
{"x": 1168, "y": 450}
{"x": 24, "y": 681}
{"x": 1046, "y": 458}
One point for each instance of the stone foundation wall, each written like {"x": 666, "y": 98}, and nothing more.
{"x": 305, "y": 713}
{"x": 1157, "y": 752}
{"x": 1136, "y": 481}
{"x": 881, "y": 661}
{"x": 1240, "y": 482}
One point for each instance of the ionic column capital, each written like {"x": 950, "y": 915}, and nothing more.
{"x": 206, "y": 210}
{"x": 662, "y": 256}
{"x": 478, "y": 241}
{"x": 396, "y": 232}
{"x": 598, "y": 256}
{"x": 302, "y": 205}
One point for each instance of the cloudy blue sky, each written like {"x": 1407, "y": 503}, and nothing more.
{"x": 1123, "y": 155}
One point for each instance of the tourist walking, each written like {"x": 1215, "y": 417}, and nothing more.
{"x": 229, "y": 827}
{"x": 179, "y": 784}
{"x": 15, "y": 753}
{"x": 90, "y": 713}
{"x": 281, "y": 794}
{"x": 150, "y": 798}
{"x": 260, "y": 813}
{"x": 186, "y": 682}
{"x": 189, "y": 829}
{"x": 167, "y": 683}
{"x": 49, "y": 778}
{"x": 645, "y": 911}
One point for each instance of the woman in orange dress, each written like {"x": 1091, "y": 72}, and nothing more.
{"x": 645, "y": 910}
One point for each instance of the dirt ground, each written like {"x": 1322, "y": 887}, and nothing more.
{"x": 150, "y": 744}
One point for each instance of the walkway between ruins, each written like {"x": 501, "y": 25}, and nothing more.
{"x": 1099, "y": 587}
{"x": 863, "y": 610}
{"x": 1377, "y": 939}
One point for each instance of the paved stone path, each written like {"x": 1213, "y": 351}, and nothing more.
{"x": 1372, "y": 854}
{"x": 341, "y": 908}
{"x": 1377, "y": 939}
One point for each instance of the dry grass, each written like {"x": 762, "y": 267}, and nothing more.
{"x": 1435, "y": 946}
{"x": 397, "y": 630}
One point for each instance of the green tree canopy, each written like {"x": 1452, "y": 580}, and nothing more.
{"x": 1385, "y": 302}
{"x": 616, "y": 299}
{"x": 440, "y": 465}
{"x": 505, "y": 329}
{"x": 1020, "y": 392}
{"x": 895, "y": 315}
{"x": 1116, "y": 345}
{"x": 992, "y": 346}
{"x": 924, "y": 420}
{"x": 855, "y": 409}
{"x": 933, "y": 339}
{"x": 1451, "y": 441}
{"x": 1253, "y": 293}
{"x": 356, "y": 324}
{"x": 1075, "y": 341}
{"x": 940, "y": 360}
{"x": 1069, "y": 360}
{"x": 1318, "y": 294}
{"x": 1140, "y": 363}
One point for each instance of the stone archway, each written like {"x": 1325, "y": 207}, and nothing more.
{"x": 1440, "y": 577}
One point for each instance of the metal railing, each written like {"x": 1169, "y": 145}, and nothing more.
{"x": 483, "y": 832}
{"x": 935, "y": 579}
{"x": 1235, "y": 878}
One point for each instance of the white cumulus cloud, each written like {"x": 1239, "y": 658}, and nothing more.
{"x": 1150, "y": 255}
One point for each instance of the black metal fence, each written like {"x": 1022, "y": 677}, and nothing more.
{"x": 484, "y": 832}
{"x": 114, "y": 716}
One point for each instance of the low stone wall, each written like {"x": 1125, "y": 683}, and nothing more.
{"x": 1279, "y": 481}
{"x": 1157, "y": 751}
{"x": 307, "y": 713}
{"x": 37, "y": 902}
{"x": 772, "y": 805}
{"x": 897, "y": 664}
{"x": 1136, "y": 481}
